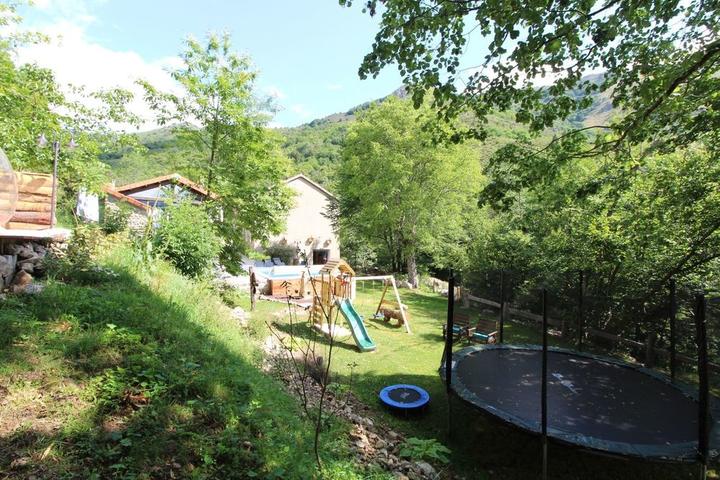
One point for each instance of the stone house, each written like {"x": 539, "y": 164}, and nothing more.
{"x": 309, "y": 228}
{"x": 149, "y": 197}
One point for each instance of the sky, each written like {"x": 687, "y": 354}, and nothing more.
{"x": 307, "y": 52}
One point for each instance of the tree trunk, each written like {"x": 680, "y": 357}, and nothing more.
{"x": 412, "y": 269}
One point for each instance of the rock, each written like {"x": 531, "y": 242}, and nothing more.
{"x": 380, "y": 444}
{"x": 21, "y": 280}
{"x": 401, "y": 476}
{"x": 28, "y": 267}
{"x": 33, "y": 289}
{"x": 240, "y": 315}
{"x": 426, "y": 469}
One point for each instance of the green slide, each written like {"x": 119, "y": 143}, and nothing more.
{"x": 362, "y": 339}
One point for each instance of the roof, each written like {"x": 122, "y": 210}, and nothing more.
{"x": 124, "y": 198}
{"x": 313, "y": 184}
{"x": 174, "y": 178}
{"x": 337, "y": 264}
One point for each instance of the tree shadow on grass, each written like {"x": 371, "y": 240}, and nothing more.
{"x": 165, "y": 396}
{"x": 483, "y": 447}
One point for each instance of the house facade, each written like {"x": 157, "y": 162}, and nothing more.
{"x": 309, "y": 229}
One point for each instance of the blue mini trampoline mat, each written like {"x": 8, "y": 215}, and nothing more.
{"x": 404, "y": 397}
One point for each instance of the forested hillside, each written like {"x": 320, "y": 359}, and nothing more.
{"x": 314, "y": 148}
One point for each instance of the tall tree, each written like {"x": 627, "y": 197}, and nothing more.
{"x": 32, "y": 103}
{"x": 217, "y": 112}
{"x": 660, "y": 59}
{"x": 400, "y": 192}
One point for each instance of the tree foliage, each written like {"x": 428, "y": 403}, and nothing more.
{"x": 32, "y": 103}
{"x": 400, "y": 193}
{"x": 659, "y": 58}
{"x": 238, "y": 159}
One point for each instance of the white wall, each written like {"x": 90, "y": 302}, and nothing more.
{"x": 306, "y": 223}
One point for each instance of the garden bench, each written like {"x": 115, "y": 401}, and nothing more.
{"x": 485, "y": 331}
{"x": 461, "y": 326}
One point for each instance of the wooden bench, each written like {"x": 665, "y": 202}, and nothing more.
{"x": 485, "y": 331}
{"x": 461, "y": 326}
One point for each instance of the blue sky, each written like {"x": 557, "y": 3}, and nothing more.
{"x": 308, "y": 52}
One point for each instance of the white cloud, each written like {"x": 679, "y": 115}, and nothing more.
{"x": 77, "y": 60}
{"x": 301, "y": 110}
{"x": 274, "y": 92}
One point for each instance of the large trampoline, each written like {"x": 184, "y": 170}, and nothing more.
{"x": 593, "y": 402}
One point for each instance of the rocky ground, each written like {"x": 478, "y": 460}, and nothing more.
{"x": 372, "y": 443}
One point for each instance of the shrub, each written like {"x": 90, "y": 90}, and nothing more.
{"x": 116, "y": 217}
{"x": 77, "y": 264}
{"x": 286, "y": 253}
{"x": 187, "y": 239}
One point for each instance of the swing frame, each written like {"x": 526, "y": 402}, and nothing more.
{"x": 389, "y": 281}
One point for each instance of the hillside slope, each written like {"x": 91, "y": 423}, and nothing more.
{"x": 143, "y": 374}
{"x": 314, "y": 147}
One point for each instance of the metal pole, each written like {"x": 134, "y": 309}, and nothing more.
{"x": 673, "y": 318}
{"x": 543, "y": 400}
{"x": 502, "y": 305}
{"x": 449, "y": 343}
{"x": 581, "y": 312}
{"x": 56, "y": 154}
{"x": 703, "y": 386}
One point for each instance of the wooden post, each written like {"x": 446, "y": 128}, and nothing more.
{"x": 703, "y": 386}
{"x": 501, "y": 329}
{"x": 56, "y": 155}
{"x": 672, "y": 319}
{"x": 253, "y": 288}
{"x": 400, "y": 305}
{"x": 543, "y": 399}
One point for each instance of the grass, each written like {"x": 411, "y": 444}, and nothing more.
{"x": 144, "y": 374}
{"x": 481, "y": 447}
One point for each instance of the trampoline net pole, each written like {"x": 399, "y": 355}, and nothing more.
{"x": 581, "y": 308}
{"x": 673, "y": 320}
{"x": 543, "y": 400}
{"x": 502, "y": 305}
{"x": 703, "y": 386}
{"x": 449, "y": 343}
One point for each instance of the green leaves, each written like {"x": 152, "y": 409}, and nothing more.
{"x": 660, "y": 60}
{"x": 401, "y": 194}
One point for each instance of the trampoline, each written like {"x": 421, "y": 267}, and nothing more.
{"x": 594, "y": 402}
{"x": 404, "y": 397}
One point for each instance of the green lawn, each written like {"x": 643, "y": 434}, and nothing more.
{"x": 481, "y": 447}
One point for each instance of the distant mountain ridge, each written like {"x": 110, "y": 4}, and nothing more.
{"x": 315, "y": 147}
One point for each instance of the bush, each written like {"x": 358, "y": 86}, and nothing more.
{"x": 186, "y": 238}
{"x": 116, "y": 217}
{"x": 77, "y": 264}
{"x": 284, "y": 252}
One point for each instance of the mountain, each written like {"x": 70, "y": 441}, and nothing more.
{"x": 315, "y": 147}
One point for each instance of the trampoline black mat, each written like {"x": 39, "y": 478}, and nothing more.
{"x": 404, "y": 395}
{"x": 593, "y": 402}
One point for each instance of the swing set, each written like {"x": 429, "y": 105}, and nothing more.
{"x": 388, "y": 309}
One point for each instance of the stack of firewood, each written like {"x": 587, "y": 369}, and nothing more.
{"x": 34, "y": 204}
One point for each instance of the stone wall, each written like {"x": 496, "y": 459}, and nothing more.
{"x": 21, "y": 260}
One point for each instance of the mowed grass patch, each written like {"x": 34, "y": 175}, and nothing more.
{"x": 482, "y": 447}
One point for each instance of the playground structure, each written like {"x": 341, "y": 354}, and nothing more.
{"x": 388, "y": 309}
{"x": 332, "y": 289}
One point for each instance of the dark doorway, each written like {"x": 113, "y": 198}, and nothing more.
{"x": 320, "y": 256}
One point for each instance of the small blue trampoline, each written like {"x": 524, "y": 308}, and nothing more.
{"x": 404, "y": 397}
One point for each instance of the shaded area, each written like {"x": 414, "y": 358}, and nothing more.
{"x": 604, "y": 405}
